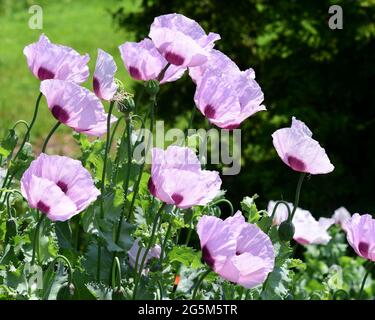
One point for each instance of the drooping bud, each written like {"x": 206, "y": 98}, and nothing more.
{"x": 66, "y": 292}
{"x": 118, "y": 294}
{"x": 286, "y": 231}
{"x": 126, "y": 103}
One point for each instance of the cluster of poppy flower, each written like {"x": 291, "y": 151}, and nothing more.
{"x": 238, "y": 251}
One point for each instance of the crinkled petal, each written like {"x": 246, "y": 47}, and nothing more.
{"x": 51, "y": 61}
{"x": 104, "y": 77}
{"x": 75, "y": 106}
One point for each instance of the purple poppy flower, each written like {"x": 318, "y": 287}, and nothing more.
{"x": 238, "y": 251}
{"x": 144, "y": 62}
{"x": 177, "y": 178}
{"x": 341, "y": 216}
{"x": 297, "y": 149}
{"x": 104, "y": 77}
{"x": 360, "y": 233}
{"x": 217, "y": 60}
{"x": 227, "y": 99}
{"x": 53, "y": 61}
{"x": 58, "y": 186}
{"x": 132, "y": 254}
{"x": 75, "y": 106}
{"x": 181, "y": 40}
{"x": 307, "y": 229}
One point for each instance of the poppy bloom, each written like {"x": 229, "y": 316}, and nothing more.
{"x": 58, "y": 186}
{"x": 220, "y": 61}
{"x": 144, "y": 62}
{"x": 297, "y": 149}
{"x": 75, "y": 106}
{"x": 238, "y": 251}
{"x": 177, "y": 178}
{"x": 307, "y": 229}
{"x": 181, "y": 40}
{"x": 104, "y": 77}
{"x": 341, "y": 216}
{"x": 227, "y": 99}
{"x": 360, "y": 233}
{"x": 132, "y": 254}
{"x": 53, "y": 61}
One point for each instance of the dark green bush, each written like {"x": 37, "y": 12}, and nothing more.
{"x": 324, "y": 77}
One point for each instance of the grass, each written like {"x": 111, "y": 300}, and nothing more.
{"x": 80, "y": 24}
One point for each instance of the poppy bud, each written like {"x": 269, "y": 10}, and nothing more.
{"x": 126, "y": 104}
{"x": 286, "y": 231}
{"x": 66, "y": 292}
{"x": 118, "y": 294}
{"x": 11, "y": 229}
{"x": 152, "y": 87}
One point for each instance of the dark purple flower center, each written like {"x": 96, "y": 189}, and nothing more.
{"x": 206, "y": 256}
{"x": 96, "y": 86}
{"x": 177, "y": 198}
{"x": 296, "y": 164}
{"x": 209, "y": 111}
{"x": 174, "y": 58}
{"x": 363, "y": 248}
{"x": 44, "y": 74}
{"x": 152, "y": 187}
{"x": 42, "y": 206}
{"x": 60, "y": 114}
{"x": 134, "y": 72}
{"x": 63, "y": 186}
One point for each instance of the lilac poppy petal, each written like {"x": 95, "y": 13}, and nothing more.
{"x": 104, "y": 77}
{"x": 341, "y": 216}
{"x": 181, "y": 40}
{"x": 228, "y": 99}
{"x": 308, "y": 230}
{"x": 46, "y": 196}
{"x": 238, "y": 251}
{"x": 216, "y": 60}
{"x": 300, "y": 151}
{"x": 216, "y": 241}
{"x": 50, "y": 174}
{"x": 360, "y": 233}
{"x": 177, "y": 178}
{"x": 51, "y": 61}
{"x": 144, "y": 62}
{"x": 75, "y": 106}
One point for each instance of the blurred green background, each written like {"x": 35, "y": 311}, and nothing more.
{"x": 324, "y": 77}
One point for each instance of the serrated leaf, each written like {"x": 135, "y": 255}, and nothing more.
{"x": 187, "y": 256}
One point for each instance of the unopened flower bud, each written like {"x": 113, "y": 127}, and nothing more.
{"x": 286, "y": 231}
{"x": 66, "y": 292}
{"x": 152, "y": 87}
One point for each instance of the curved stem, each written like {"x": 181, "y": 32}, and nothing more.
{"x": 36, "y": 239}
{"x": 50, "y": 135}
{"x": 277, "y": 204}
{"x": 204, "y": 275}
{"x": 98, "y": 266}
{"x": 27, "y": 135}
{"x": 298, "y": 192}
{"x": 227, "y": 202}
{"x": 66, "y": 260}
{"x": 150, "y": 243}
{"x": 25, "y": 124}
{"x": 363, "y": 282}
